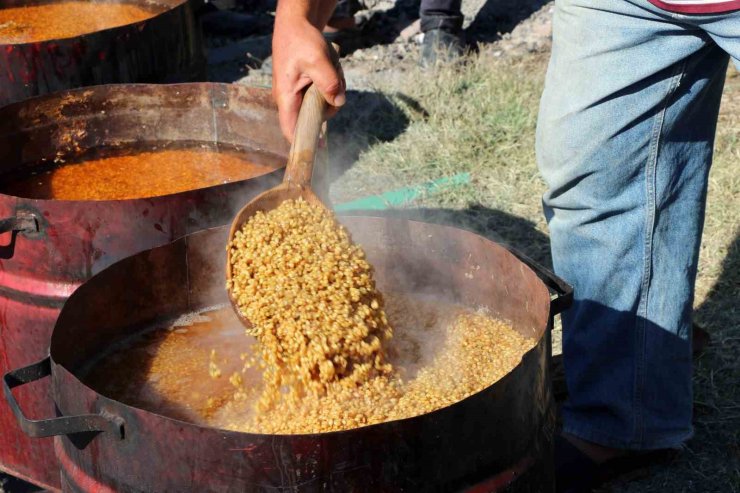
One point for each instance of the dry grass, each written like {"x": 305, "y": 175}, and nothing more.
{"x": 481, "y": 119}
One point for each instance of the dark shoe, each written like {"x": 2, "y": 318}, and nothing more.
{"x": 440, "y": 46}
{"x": 349, "y": 40}
{"x": 700, "y": 339}
{"x": 575, "y": 472}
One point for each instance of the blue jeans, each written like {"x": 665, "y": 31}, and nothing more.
{"x": 624, "y": 142}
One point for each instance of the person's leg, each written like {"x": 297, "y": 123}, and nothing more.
{"x": 343, "y": 16}
{"x": 441, "y": 23}
{"x": 441, "y": 14}
{"x": 724, "y": 29}
{"x": 624, "y": 143}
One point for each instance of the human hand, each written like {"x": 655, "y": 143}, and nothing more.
{"x": 300, "y": 56}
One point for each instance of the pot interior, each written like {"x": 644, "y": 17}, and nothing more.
{"x": 154, "y": 287}
{"x": 36, "y": 21}
{"x": 137, "y": 141}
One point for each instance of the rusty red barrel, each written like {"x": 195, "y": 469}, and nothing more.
{"x": 166, "y": 47}
{"x": 498, "y": 439}
{"x": 50, "y": 247}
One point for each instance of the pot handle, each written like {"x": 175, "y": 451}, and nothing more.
{"x": 556, "y": 285}
{"x": 64, "y": 425}
{"x": 23, "y": 222}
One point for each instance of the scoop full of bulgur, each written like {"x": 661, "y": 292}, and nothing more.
{"x": 310, "y": 296}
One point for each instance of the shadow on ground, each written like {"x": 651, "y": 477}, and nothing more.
{"x": 507, "y": 229}
{"x": 498, "y": 17}
{"x": 716, "y": 446}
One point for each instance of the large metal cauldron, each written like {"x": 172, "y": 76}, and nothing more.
{"x": 51, "y": 246}
{"x": 167, "y": 47}
{"x": 497, "y": 440}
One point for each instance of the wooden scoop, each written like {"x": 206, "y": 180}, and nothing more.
{"x": 297, "y": 179}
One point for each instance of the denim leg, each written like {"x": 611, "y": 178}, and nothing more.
{"x": 624, "y": 142}
{"x": 441, "y": 14}
{"x": 345, "y": 9}
{"x": 724, "y": 29}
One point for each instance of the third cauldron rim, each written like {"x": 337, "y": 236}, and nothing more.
{"x": 217, "y": 91}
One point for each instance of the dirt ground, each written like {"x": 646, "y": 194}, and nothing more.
{"x": 390, "y": 39}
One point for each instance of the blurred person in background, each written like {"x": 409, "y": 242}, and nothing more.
{"x": 441, "y": 23}
{"x": 624, "y": 143}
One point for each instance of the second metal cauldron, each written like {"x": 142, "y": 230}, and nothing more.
{"x": 49, "y": 247}
{"x": 503, "y": 433}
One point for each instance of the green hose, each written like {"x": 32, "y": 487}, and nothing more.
{"x": 403, "y": 196}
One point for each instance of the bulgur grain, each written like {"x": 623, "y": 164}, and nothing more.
{"x": 310, "y": 296}
{"x": 441, "y": 353}
{"x": 325, "y": 347}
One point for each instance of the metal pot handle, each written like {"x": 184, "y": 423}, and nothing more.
{"x": 65, "y": 425}
{"x": 556, "y": 285}
{"x": 23, "y": 222}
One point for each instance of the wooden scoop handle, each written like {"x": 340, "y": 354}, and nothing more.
{"x": 305, "y": 139}
{"x": 307, "y": 130}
